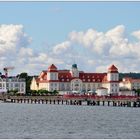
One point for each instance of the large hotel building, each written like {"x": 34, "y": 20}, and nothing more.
{"x": 77, "y": 81}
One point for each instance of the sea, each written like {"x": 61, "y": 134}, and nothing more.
{"x": 41, "y": 121}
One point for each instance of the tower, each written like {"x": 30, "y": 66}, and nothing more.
{"x": 113, "y": 80}
{"x": 52, "y": 73}
{"x": 74, "y": 71}
{"x": 33, "y": 85}
{"x": 52, "y": 78}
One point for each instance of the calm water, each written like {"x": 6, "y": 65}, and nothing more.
{"x": 61, "y": 121}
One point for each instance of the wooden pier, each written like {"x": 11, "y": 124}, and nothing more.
{"x": 75, "y": 100}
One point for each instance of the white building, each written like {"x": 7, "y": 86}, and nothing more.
{"x": 75, "y": 80}
{"x": 130, "y": 83}
{"x": 101, "y": 91}
{"x": 127, "y": 86}
{"x": 12, "y": 83}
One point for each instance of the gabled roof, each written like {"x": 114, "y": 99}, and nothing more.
{"x": 52, "y": 68}
{"x": 112, "y": 68}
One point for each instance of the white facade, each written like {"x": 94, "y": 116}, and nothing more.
{"x": 130, "y": 83}
{"x": 12, "y": 83}
{"x": 33, "y": 84}
{"x": 75, "y": 80}
{"x": 101, "y": 91}
{"x": 127, "y": 93}
{"x": 74, "y": 71}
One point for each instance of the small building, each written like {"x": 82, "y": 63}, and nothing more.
{"x": 126, "y": 92}
{"x": 12, "y": 83}
{"x": 130, "y": 83}
{"x": 101, "y": 91}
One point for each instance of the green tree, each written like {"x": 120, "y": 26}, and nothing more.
{"x": 28, "y": 80}
{"x": 137, "y": 91}
{"x": 55, "y": 92}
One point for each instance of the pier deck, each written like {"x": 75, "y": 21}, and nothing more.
{"x": 124, "y": 101}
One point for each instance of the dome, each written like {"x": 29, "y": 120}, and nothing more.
{"x": 74, "y": 66}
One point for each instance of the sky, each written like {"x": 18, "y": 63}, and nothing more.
{"x": 93, "y": 35}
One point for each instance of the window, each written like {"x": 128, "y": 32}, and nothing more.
{"x": 7, "y": 84}
{"x": 89, "y": 80}
{"x": 16, "y": 84}
{"x": 22, "y": 85}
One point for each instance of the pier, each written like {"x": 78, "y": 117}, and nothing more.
{"x": 115, "y": 101}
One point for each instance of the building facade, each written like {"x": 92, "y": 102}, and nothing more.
{"x": 130, "y": 83}
{"x": 77, "y": 81}
{"x": 12, "y": 83}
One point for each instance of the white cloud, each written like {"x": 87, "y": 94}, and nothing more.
{"x": 12, "y": 37}
{"x": 61, "y": 48}
{"x": 107, "y": 47}
{"x": 91, "y": 50}
{"x": 14, "y": 50}
{"x": 136, "y": 34}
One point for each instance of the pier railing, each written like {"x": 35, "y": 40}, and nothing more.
{"x": 76, "y": 100}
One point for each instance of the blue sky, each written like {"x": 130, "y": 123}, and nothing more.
{"x": 49, "y": 23}
{"x": 52, "y": 21}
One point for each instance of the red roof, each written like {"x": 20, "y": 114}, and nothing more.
{"x": 52, "y": 68}
{"x": 92, "y": 77}
{"x": 65, "y": 76}
{"x": 105, "y": 79}
{"x": 112, "y": 68}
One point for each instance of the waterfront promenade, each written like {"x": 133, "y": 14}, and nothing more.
{"x": 89, "y": 100}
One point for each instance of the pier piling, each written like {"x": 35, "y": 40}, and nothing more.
{"x": 98, "y": 103}
{"x": 53, "y": 101}
{"x": 46, "y": 101}
{"x": 108, "y": 103}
